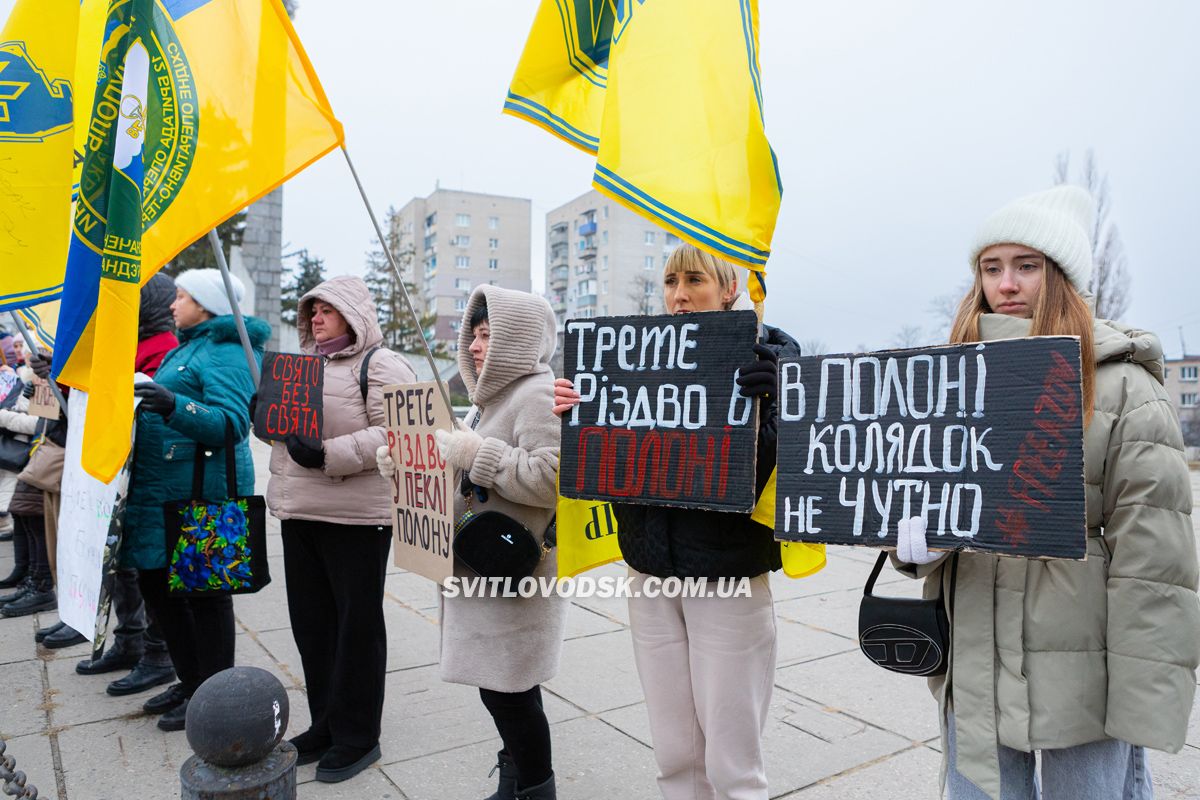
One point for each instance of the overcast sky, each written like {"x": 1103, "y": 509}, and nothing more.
{"x": 898, "y": 126}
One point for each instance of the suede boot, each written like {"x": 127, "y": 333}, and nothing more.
{"x": 543, "y": 791}
{"x": 507, "y": 789}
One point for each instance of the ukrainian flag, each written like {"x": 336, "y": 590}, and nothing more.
{"x": 224, "y": 107}
{"x": 668, "y": 97}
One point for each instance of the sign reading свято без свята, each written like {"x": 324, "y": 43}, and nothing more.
{"x": 982, "y": 440}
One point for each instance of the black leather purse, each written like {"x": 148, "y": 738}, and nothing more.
{"x": 906, "y": 635}
{"x": 494, "y": 545}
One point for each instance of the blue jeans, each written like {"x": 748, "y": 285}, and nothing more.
{"x": 1104, "y": 770}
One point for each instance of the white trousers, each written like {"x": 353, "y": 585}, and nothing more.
{"x": 707, "y": 666}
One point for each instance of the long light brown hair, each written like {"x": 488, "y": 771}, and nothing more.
{"x": 1059, "y": 311}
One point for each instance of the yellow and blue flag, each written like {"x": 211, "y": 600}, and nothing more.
{"x": 226, "y": 107}
{"x": 37, "y": 97}
{"x": 668, "y": 97}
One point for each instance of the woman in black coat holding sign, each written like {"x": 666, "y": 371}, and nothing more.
{"x": 707, "y": 664}
{"x": 336, "y": 524}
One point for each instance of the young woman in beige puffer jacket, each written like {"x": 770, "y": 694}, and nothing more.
{"x": 1085, "y": 662}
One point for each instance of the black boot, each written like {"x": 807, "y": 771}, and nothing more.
{"x": 42, "y": 633}
{"x": 15, "y": 577}
{"x": 310, "y": 746}
{"x": 507, "y": 790}
{"x": 31, "y": 602}
{"x": 543, "y": 791}
{"x": 66, "y": 636}
{"x": 22, "y": 588}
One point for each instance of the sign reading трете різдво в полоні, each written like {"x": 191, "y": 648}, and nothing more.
{"x": 661, "y": 420}
{"x": 983, "y": 440}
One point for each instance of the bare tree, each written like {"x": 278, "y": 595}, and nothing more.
{"x": 643, "y": 292}
{"x": 813, "y": 347}
{"x": 1110, "y": 283}
{"x": 909, "y": 336}
{"x": 944, "y": 308}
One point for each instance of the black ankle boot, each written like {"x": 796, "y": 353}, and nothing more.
{"x": 543, "y": 791}
{"x": 507, "y": 790}
{"x": 14, "y": 578}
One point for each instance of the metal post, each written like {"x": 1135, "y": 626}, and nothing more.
{"x": 214, "y": 239}
{"x": 399, "y": 278}
{"x": 33, "y": 348}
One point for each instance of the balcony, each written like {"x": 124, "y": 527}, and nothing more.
{"x": 587, "y": 268}
{"x": 587, "y": 229}
{"x": 559, "y": 275}
{"x": 558, "y": 234}
{"x": 585, "y": 300}
{"x": 587, "y": 251}
{"x": 559, "y": 253}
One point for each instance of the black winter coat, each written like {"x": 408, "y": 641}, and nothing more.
{"x": 694, "y": 543}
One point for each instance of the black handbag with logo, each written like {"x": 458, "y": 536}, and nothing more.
{"x": 906, "y": 635}
{"x": 494, "y": 545}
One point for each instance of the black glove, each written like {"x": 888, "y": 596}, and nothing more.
{"x": 466, "y": 486}
{"x": 758, "y": 378}
{"x": 253, "y": 406}
{"x": 28, "y": 391}
{"x": 40, "y": 364}
{"x": 156, "y": 398}
{"x": 303, "y": 454}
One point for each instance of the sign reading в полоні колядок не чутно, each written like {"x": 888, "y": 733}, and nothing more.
{"x": 661, "y": 420}
{"x": 290, "y": 398}
{"x": 422, "y": 495}
{"x": 983, "y": 440}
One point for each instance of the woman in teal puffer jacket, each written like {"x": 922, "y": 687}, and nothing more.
{"x": 201, "y": 387}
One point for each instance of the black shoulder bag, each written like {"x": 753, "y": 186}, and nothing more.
{"x": 906, "y": 635}
{"x": 494, "y": 545}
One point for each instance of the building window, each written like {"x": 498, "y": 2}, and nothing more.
{"x": 493, "y": 263}
{"x": 672, "y": 240}
{"x": 493, "y": 223}
{"x": 431, "y": 241}
{"x": 493, "y": 243}
{"x": 606, "y": 212}
{"x": 462, "y": 240}
{"x": 431, "y": 220}
{"x": 463, "y": 284}
{"x": 603, "y": 262}
{"x": 604, "y": 311}
{"x": 649, "y": 237}
{"x": 603, "y": 287}
{"x": 462, "y": 262}
{"x": 455, "y": 324}
{"x": 1189, "y": 400}
{"x": 460, "y": 304}
{"x": 604, "y": 237}
{"x": 463, "y": 220}
{"x": 1189, "y": 373}
{"x": 649, "y": 262}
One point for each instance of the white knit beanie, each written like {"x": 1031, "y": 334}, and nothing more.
{"x": 208, "y": 289}
{"x": 1057, "y": 222}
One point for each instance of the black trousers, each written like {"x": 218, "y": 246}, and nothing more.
{"x": 334, "y": 576}
{"x": 525, "y": 731}
{"x": 135, "y": 634}
{"x": 198, "y": 629}
{"x": 32, "y": 529}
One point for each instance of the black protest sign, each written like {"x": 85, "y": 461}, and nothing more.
{"x": 661, "y": 420}
{"x": 290, "y": 398}
{"x": 982, "y": 440}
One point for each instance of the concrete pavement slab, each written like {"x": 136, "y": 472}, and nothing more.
{"x": 799, "y": 642}
{"x": 909, "y": 775}
{"x": 851, "y": 684}
{"x": 582, "y": 621}
{"x": 1176, "y": 777}
{"x": 122, "y": 758}
{"x": 16, "y": 636}
{"x": 371, "y": 783}
{"x": 597, "y": 673}
{"x": 23, "y": 701}
{"x": 34, "y": 757}
{"x": 412, "y": 637}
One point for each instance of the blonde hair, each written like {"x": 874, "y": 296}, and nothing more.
{"x": 1059, "y": 311}
{"x": 689, "y": 258}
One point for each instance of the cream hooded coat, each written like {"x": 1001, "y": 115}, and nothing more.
{"x": 348, "y": 490}
{"x": 509, "y": 644}
{"x": 1053, "y": 654}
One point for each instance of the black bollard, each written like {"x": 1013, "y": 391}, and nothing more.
{"x": 235, "y": 725}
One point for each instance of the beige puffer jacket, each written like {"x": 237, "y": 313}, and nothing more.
{"x": 1053, "y": 654}
{"x": 348, "y": 490}
{"x": 509, "y": 644}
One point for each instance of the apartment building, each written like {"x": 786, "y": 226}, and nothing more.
{"x": 1182, "y": 382}
{"x": 603, "y": 260}
{"x": 459, "y": 240}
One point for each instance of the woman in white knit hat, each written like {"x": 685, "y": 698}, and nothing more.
{"x": 1085, "y": 662}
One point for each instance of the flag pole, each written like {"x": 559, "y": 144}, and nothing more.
{"x": 399, "y": 279}
{"x": 33, "y": 348}
{"x": 214, "y": 239}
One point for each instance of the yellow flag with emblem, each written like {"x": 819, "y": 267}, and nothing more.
{"x": 37, "y": 99}
{"x": 226, "y": 107}
{"x": 668, "y": 97}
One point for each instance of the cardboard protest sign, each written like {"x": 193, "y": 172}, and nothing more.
{"x": 89, "y": 527}
{"x": 983, "y": 440}
{"x": 422, "y": 490}
{"x": 661, "y": 420}
{"x": 44, "y": 403}
{"x": 290, "y": 398}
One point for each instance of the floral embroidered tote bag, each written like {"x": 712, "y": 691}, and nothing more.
{"x": 216, "y": 544}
